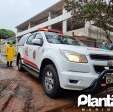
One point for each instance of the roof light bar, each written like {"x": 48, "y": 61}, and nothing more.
{"x": 51, "y": 30}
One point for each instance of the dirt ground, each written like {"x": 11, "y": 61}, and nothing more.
{"x": 20, "y": 92}
{"x": 23, "y": 93}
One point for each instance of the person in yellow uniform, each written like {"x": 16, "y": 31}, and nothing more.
{"x": 10, "y": 54}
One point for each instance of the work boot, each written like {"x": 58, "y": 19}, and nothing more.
{"x": 11, "y": 64}
{"x": 7, "y": 64}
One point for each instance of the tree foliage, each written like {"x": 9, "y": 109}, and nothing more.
{"x": 98, "y": 11}
{"x": 4, "y": 33}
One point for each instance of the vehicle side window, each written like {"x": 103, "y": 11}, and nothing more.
{"x": 29, "y": 41}
{"x": 23, "y": 40}
{"x": 38, "y": 35}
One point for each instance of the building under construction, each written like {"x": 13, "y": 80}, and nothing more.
{"x": 56, "y": 17}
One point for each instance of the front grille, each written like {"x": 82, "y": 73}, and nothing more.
{"x": 100, "y": 69}
{"x": 101, "y": 57}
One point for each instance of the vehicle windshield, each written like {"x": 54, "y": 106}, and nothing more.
{"x": 55, "y": 38}
{"x": 104, "y": 45}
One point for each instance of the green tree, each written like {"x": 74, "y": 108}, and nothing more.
{"x": 4, "y": 33}
{"x": 98, "y": 11}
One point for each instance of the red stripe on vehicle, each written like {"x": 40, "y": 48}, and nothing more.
{"x": 30, "y": 63}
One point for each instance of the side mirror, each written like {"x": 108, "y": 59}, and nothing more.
{"x": 38, "y": 42}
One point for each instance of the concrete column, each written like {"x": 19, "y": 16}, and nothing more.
{"x": 49, "y": 18}
{"x": 29, "y": 25}
{"x": 64, "y": 27}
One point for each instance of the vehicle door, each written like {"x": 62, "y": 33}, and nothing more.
{"x": 29, "y": 51}
{"x": 37, "y": 51}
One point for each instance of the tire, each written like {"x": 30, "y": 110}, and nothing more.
{"x": 20, "y": 68}
{"x": 50, "y": 82}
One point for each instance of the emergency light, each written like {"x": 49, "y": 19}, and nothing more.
{"x": 51, "y": 30}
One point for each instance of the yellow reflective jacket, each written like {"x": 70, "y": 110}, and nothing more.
{"x": 10, "y": 52}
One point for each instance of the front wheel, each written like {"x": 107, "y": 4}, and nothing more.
{"x": 50, "y": 81}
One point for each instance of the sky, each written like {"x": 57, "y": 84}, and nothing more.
{"x": 14, "y": 12}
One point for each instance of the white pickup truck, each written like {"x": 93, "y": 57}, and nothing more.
{"x": 62, "y": 62}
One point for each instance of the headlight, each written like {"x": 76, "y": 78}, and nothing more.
{"x": 75, "y": 57}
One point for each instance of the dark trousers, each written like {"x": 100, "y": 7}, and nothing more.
{"x": 9, "y": 64}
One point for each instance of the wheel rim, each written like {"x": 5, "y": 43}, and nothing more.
{"x": 49, "y": 81}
